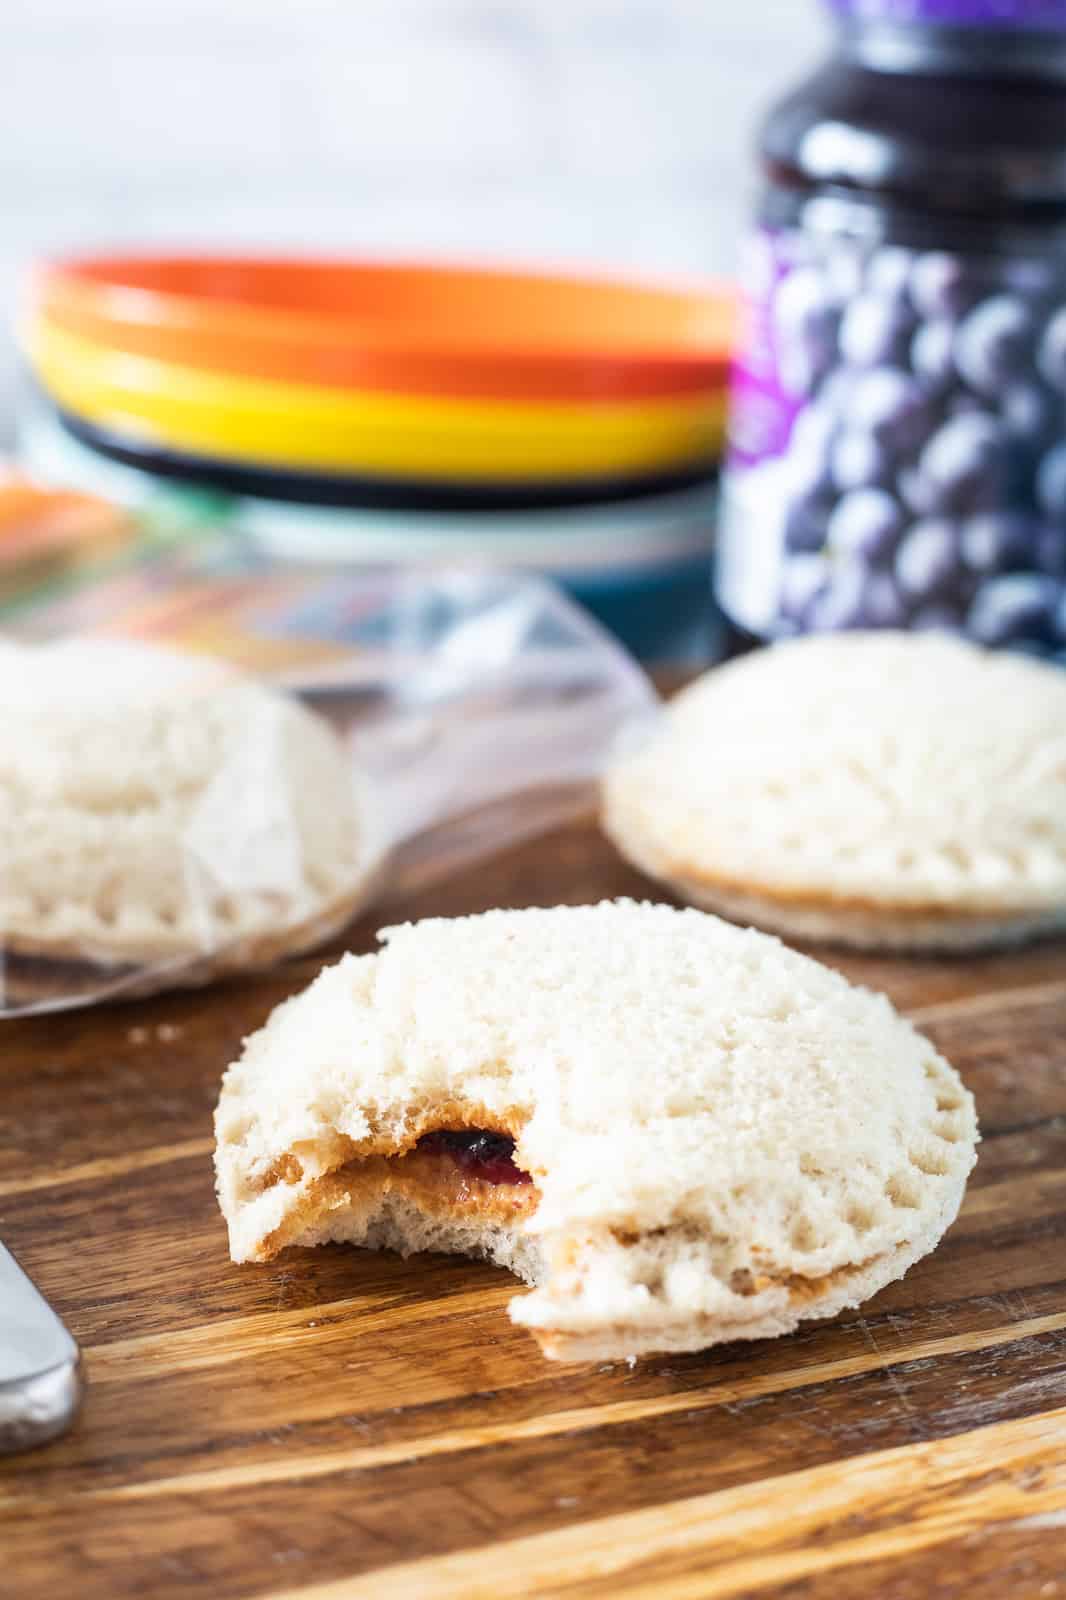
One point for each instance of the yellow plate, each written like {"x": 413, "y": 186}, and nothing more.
{"x": 305, "y": 426}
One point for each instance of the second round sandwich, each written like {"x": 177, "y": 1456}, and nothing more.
{"x": 157, "y": 807}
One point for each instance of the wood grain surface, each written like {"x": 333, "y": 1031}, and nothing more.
{"x": 343, "y": 1424}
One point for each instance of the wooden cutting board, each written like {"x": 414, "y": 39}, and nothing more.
{"x": 347, "y": 1424}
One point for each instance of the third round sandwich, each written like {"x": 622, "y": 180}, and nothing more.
{"x": 678, "y": 1131}
{"x": 886, "y": 790}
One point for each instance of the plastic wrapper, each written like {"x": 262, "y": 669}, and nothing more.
{"x": 165, "y": 818}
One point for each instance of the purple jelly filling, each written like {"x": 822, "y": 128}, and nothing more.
{"x": 484, "y": 1155}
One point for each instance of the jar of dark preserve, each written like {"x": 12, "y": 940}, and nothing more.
{"x": 898, "y": 434}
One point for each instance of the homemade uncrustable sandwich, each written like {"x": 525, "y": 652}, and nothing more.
{"x": 883, "y": 790}
{"x": 156, "y": 806}
{"x": 678, "y": 1131}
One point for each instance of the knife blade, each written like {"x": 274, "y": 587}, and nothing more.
{"x": 40, "y": 1364}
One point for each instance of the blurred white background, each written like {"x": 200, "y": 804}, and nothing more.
{"x": 590, "y": 132}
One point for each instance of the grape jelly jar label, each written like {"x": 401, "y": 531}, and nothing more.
{"x": 898, "y": 443}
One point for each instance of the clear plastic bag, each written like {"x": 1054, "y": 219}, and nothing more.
{"x": 465, "y": 710}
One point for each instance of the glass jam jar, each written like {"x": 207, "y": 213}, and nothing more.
{"x": 898, "y": 433}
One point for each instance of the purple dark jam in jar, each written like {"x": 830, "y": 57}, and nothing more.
{"x": 898, "y": 435}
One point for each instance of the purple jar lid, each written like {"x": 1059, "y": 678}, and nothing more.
{"x": 1035, "y": 14}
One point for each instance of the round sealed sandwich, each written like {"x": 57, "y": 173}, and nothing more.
{"x": 883, "y": 790}
{"x": 156, "y": 807}
{"x": 678, "y": 1131}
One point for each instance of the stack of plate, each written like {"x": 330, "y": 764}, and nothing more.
{"x": 376, "y": 412}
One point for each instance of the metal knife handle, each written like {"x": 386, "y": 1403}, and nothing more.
{"x": 40, "y": 1377}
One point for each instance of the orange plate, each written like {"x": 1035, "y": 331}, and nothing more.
{"x": 43, "y": 531}
{"x": 403, "y": 328}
